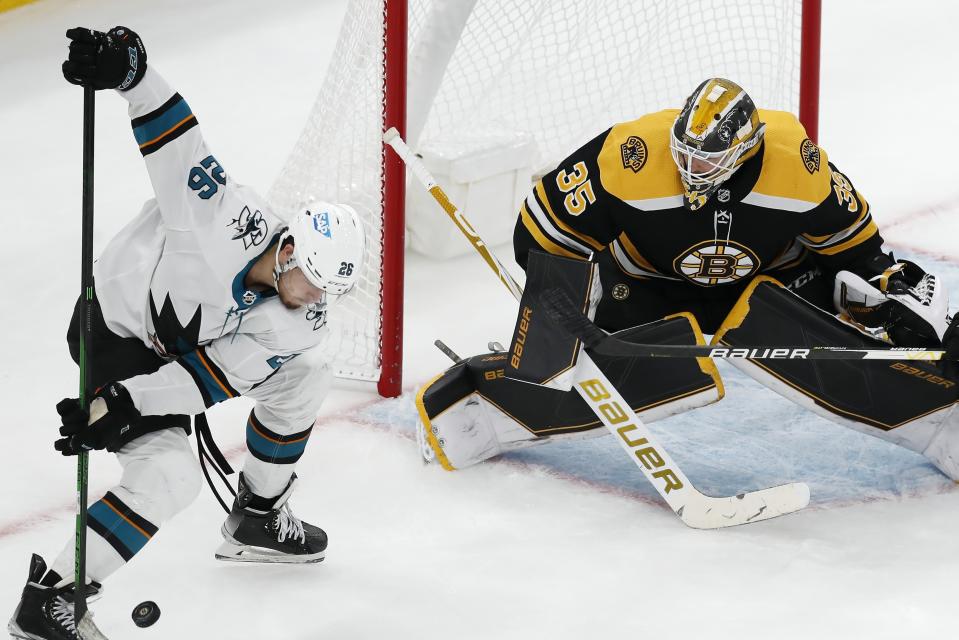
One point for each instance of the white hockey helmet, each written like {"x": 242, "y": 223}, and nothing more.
{"x": 328, "y": 245}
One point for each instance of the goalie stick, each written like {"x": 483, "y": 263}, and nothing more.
{"x": 564, "y": 313}
{"x": 696, "y": 509}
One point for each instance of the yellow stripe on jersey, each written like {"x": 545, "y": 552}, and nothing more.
{"x": 651, "y": 176}
{"x": 868, "y": 232}
{"x": 542, "y": 239}
{"x": 824, "y": 240}
{"x": 539, "y": 192}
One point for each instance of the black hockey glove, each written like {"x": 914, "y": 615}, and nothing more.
{"x": 112, "y": 60}
{"x": 950, "y": 343}
{"x": 110, "y": 415}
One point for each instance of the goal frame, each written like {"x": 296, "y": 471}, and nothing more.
{"x": 395, "y": 21}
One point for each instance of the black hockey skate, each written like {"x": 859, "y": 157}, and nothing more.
{"x": 45, "y": 612}
{"x": 265, "y": 530}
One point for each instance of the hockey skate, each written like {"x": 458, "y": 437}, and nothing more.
{"x": 270, "y": 534}
{"x": 45, "y": 612}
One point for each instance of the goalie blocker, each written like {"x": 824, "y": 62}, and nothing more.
{"x": 474, "y": 411}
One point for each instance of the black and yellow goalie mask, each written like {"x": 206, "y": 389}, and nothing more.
{"x": 715, "y": 133}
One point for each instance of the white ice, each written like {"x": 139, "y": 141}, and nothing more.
{"x": 565, "y": 541}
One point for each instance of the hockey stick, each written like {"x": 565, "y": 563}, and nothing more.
{"x": 696, "y": 509}
{"x": 449, "y": 353}
{"x": 562, "y": 311}
{"x": 392, "y": 138}
{"x": 86, "y": 629}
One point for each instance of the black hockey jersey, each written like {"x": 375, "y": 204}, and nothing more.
{"x": 621, "y": 192}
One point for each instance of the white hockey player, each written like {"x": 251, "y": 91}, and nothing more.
{"x": 205, "y": 295}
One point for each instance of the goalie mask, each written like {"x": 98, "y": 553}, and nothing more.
{"x": 328, "y": 246}
{"x": 715, "y": 133}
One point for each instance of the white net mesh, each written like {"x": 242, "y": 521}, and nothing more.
{"x": 560, "y": 70}
{"x": 337, "y": 158}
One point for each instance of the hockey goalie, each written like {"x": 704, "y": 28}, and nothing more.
{"x": 722, "y": 219}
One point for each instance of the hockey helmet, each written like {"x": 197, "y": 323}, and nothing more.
{"x": 328, "y": 246}
{"x": 717, "y": 131}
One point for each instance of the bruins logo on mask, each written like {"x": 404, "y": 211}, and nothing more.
{"x": 810, "y": 155}
{"x": 634, "y": 153}
{"x": 716, "y": 262}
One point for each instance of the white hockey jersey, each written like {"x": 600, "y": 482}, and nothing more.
{"x": 174, "y": 276}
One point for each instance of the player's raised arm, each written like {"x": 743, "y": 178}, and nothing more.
{"x": 186, "y": 178}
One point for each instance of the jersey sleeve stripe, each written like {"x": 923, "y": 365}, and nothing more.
{"x": 626, "y": 264}
{"x": 832, "y": 237}
{"x": 868, "y": 232}
{"x": 539, "y": 194}
{"x": 209, "y": 378}
{"x": 818, "y": 243}
{"x": 542, "y": 240}
{"x": 169, "y": 122}
{"x": 634, "y": 253}
{"x": 544, "y": 223}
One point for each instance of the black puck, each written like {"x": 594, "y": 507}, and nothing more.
{"x": 145, "y": 613}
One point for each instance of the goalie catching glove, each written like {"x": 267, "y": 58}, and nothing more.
{"x": 110, "y": 415}
{"x": 907, "y": 304}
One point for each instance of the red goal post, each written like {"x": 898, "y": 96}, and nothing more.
{"x": 453, "y": 74}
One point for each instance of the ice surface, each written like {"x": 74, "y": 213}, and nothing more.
{"x": 563, "y": 541}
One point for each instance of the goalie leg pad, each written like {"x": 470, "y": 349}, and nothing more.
{"x": 473, "y": 412}
{"x": 909, "y": 403}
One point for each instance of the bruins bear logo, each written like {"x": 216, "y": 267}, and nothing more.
{"x": 810, "y": 155}
{"x": 716, "y": 262}
{"x": 634, "y": 153}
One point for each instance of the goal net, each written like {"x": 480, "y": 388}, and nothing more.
{"x": 555, "y": 71}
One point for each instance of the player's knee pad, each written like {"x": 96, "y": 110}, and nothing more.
{"x": 161, "y": 475}
{"x": 472, "y": 412}
{"x": 909, "y": 403}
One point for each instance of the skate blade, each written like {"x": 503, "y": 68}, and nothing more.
{"x": 16, "y": 632}
{"x": 230, "y": 552}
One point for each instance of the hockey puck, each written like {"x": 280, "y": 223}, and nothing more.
{"x": 145, "y": 613}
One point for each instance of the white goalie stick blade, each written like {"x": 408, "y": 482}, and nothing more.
{"x": 86, "y": 630}
{"x": 697, "y": 510}
{"x": 705, "y": 512}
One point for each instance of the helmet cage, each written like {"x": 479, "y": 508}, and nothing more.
{"x": 712, "y": 168}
